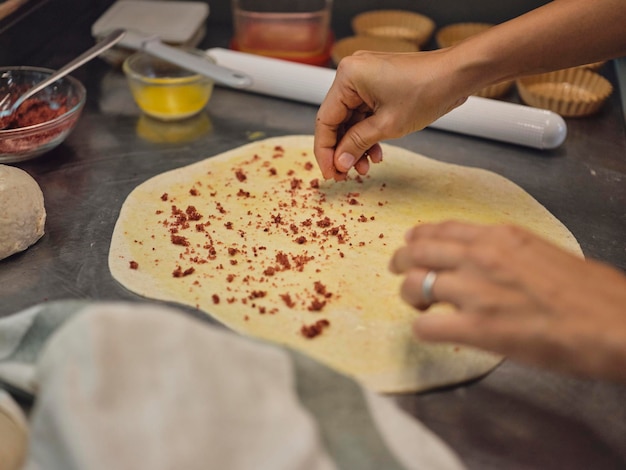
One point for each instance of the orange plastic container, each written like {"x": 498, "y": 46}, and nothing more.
{"x": 297, "y": 31}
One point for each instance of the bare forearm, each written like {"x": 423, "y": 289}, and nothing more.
{"x": 378, "y": 96}
{"x": 562, "y": 33}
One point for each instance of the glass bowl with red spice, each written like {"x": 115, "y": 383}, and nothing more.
{"x": 43, "y": 121}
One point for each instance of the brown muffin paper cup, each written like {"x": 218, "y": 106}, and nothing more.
{"x": 455, "y": 33}
{"x": 395, "y": 24}
{"x": 594, "y": 66}
{"x": 348, "y": 46}
{"x": 570, "y": 92}
{"x": 496, "y": 91}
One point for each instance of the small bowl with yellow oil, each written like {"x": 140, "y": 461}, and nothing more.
{"x": 167, "y": 91}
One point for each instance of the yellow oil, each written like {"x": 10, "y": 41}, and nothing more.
{"x": 169, "y": 101}
{"x": 181, "y": 130}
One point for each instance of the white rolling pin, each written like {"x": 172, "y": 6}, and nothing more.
{"x": 480, "y": 117}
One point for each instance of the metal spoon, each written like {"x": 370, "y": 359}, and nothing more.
{"x": 109, "y": 41}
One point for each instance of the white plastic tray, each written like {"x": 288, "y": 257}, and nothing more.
{"x": 174, "y": 22}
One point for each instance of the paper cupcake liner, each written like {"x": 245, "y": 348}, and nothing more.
{"x": 350, "y": 45}
{"x": 594, "y": 65}
{"x": 569, "y": 92}
{"x": 396, "y": 24}
{"x": 496, "y": 91}
{"x": 454, "y": 33}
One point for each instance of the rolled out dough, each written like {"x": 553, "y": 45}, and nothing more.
{"x": 254, "y": 238}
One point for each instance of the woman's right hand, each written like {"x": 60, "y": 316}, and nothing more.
{"x": 378, "y": 96}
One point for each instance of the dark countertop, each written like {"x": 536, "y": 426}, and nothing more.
{"x": 514, "y": 418}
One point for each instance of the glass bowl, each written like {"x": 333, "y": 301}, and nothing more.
{"x": 285, "y": 29}
{"x": 44, "y": 120}
{"x": 166, "y": 91}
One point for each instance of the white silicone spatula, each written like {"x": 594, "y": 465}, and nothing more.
{"x": 152, "y": 45}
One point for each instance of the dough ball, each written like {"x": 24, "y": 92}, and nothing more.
{"x": 22, "y": 212}
{"x": 13, "y": 434}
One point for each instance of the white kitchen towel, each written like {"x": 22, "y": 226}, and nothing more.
{"x": 133, "y": 386}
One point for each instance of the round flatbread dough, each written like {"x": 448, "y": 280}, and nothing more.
{"x": 255, "y": 239}
{"x": 22, "y": 212}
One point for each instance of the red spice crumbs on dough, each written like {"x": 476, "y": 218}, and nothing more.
{"x": 325, "y": 222}
{"x": 179, "y": 240}
{"x": 192, "y": 213}
{"x": 178, "y": 272}
{"x": 311, "y": 331}
{"x": 288, "y": 300}
{"x": 134, "y": 265}
{"x": 321, "y": 289}
{"x": 240, "y": 175}
{"x": 298, "y": 213}
{"x": 316, "y": 305}
{"x": 283, "y": 260}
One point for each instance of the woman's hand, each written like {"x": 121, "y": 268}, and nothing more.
{"x": 517, "y": 295}
{"x": 377, "y": 96}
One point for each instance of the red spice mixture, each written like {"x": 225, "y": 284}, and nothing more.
{"x": 298, "y": 216}
{"x": 32, "y": 112}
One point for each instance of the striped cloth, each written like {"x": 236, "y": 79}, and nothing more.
{"x": 144, "y": 386}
